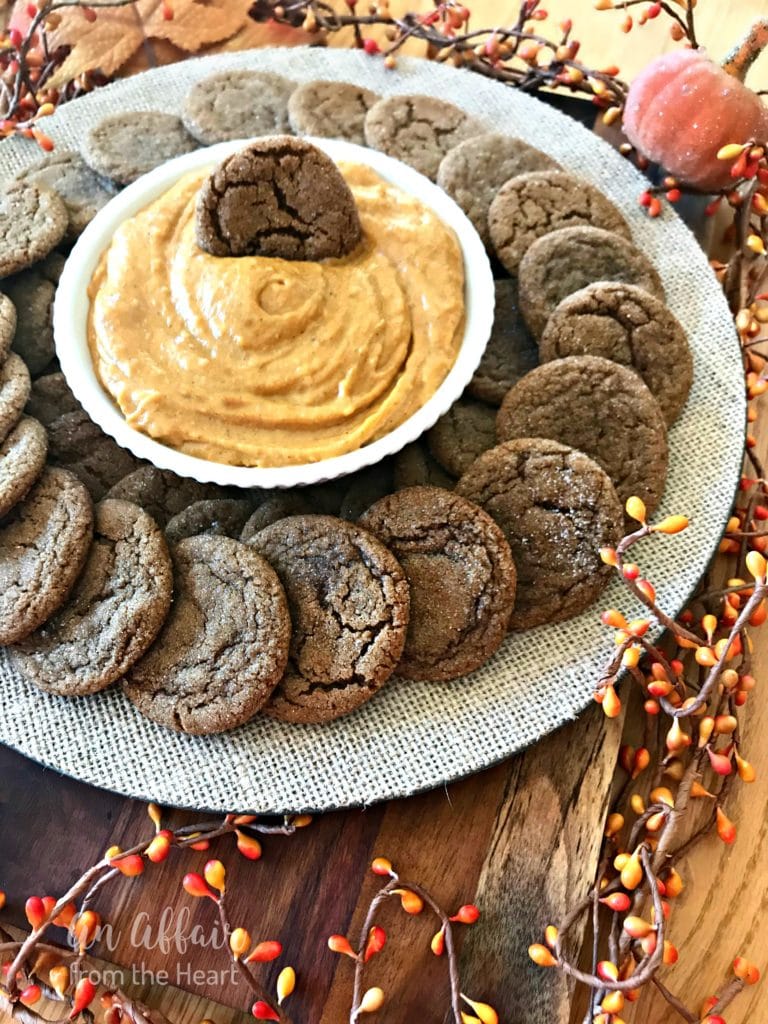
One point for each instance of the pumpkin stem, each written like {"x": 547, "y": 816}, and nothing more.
{"x": 744, "y": 54}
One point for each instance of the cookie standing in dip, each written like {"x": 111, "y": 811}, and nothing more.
{"x": 260, "y": 361}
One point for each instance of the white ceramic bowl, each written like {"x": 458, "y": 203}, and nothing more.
{"x": 70, "y": 316}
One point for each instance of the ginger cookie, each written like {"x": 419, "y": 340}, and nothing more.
{"x": 76, "y": 443}
{"x": 419, "y": 130}
{"x": 531, "y": 205}
{"x": 7, "y": 326}
{"x": 474, "y": 171}
{"x": 33, "y": 220}
{"x": 114, "y": 612}
{"x": 216, "y": 517}
{"x": 334, "y": 110}
{"x": 14, "y": 392}
{"x": 33, "y": 291}
{"x": 364, "y": 488}
{"x": 568, "y": 260}
{"x": 601, "y": 408}
{"x": 44, "y": 543}
{"x": 463, "y": 433}
{"x": 124, "y": 146}
{"x": 348, "y": 599}
{"x": 81, "y": 190}
{"x": 224, "y": 644}
{"x": 278, "y": 197}
{"x": 461, "y": 576}
{"x": 414, "y": 466}
{"x": 272, "y": 510}
{"x": 160, "y": 492}
{"x": 556, "y": 508}
{"x": 50, "y": 398}
{"x": 630, "y": 326}
{"x": 22, "y": 460}
{"x": 511, "y": 351}
{"x": 237, "y": 105}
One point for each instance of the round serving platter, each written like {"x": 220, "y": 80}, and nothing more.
{"x": 413, "y": 736}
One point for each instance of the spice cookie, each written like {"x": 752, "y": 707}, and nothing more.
{"x": 224, "y": 644}
{"x": 334, "y": 110}
{"x": 630, "y": 326}
{"x": 461, "y": 576}
{"x": 532, "y": 205}
{"x": 76, "y": 443}
{"x": 7, "y": 326}
{"x": 272, "y": 510}
{"x": 364, "y": 488}
{"x": 419, "y": 130}
{"x": 50, "y": 398}
{"x": 569, "y": 259}
{"x": 415, "y": 467}
{"x": 217, "y": 517}
{"x": 237, "y": 105}
{"x": 81, "y": 190}
{"x": 602, "y": 409}
{"x": 114, "y": 612}
{"x": 474, "y": 171}
{"x": 556, "y": 507}
{"x": 14, "y": 392}
{"x": 278, "y": 197}
{"x": 124, "y": 146}
{"x": 22, "y": 460}
{"x": 160, "y": 492}
{"x": 349, "y": 600}
{"x": 43, "y": 546}
{"x": 458, "y": 437}
{"x": 32, "y": 291}
{"x": 33, "y": 220}
{"x": 511, "y": 351}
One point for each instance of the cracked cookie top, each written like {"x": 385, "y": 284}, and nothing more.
{"x": 124, "y": 146}
{"x": 349, "y": 604}
{"x": 278, "y": 197}
{"x": 556, "y": 507}
{"x": 224, "y": 644}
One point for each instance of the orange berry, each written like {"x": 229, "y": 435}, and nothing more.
{"x": 381, "y": 866}
{"x": 541, "y": 955}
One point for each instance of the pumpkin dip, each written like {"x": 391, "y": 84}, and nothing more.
{"x": 255, "y": 361}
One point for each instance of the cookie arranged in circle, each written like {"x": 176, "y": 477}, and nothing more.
{"x": 114, "y": 612}
{"x": 224, "y": 644}
{"x": 463, "y": 433}
{"x": 7, "y": 326}
{"x": 414, "y": 466}
{"x": 33, "y": 220}
{"x": 461, "y": 576}
{"x": 364, "y": 488}
{"x": 348, "y": 599}
{"x": 511, "y": 351}
{"x": 14, "y": 392}
{"x": 278, "y": 197}
{"x": 601, "y": 408}
{"x": 33, "y": 291}
{"x": 568, "y": 260}
{"x": 237, "y": 105}
{"x": 160, "y": 492}
{"x": 556, "y": 507}
{"x": 531, "y": 205}
{"x": 124, "y": 146}
{"x": 76, "y": 443}
{"x": 419, "y": 130}
{"x": 50, "y": 398}
{"x": 44, "y": 543}
{"x": 334, "y": 110}
{"x": 22, "y": 460}
{"x": 272, "y": 510}
{"x": 628, "y": 325}
{"x": 474, "y": 171}
{"x": 81, "y": 190}
{"x": 216, "y": 517}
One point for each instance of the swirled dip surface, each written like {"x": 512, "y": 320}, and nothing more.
{"x": 254, "y": 361}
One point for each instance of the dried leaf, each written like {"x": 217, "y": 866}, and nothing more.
{"x": 198, "y": 23}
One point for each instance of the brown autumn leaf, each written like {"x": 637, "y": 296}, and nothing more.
{"x": 109, "y": 41}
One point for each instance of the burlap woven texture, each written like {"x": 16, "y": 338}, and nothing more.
{"x": 413, "y": 736}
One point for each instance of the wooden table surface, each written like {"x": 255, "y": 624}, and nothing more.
{"x": 520, "y": 840}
